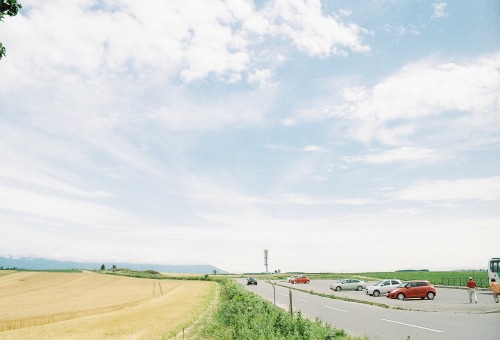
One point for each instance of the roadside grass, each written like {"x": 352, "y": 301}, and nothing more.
{"x": 244, "y": 315}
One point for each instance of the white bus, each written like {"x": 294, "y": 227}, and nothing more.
{"x": 494, "y": 269}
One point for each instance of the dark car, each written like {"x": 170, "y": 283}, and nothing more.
{"x": 413, "y": 289}
{"x": 251, "y": 281}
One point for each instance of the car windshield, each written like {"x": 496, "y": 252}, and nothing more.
{"x": 402, "y": 284}
{"x": 378, "y": 283}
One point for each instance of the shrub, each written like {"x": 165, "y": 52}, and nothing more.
{"x": 244, "y": 315}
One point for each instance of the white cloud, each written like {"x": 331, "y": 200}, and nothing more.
{"x": 487, "y": 189}
{"x": 260, "y": 76}
{"x": 59, "y": 209}
{"x": 128, "y": 125}
{"x": 439, "y": 10}
{"x": 187, "y": 113}
{"x": 423, "y": 90}
{"x": 407, "y": 154}
{"x": 318, "y": 35}
{"x": 193, "y": 40}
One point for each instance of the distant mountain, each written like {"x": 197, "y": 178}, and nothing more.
{"x": 45, "y": 264}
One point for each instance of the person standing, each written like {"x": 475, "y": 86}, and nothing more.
{"x": 495, "y": 288}
{"x": 471, "y": 288}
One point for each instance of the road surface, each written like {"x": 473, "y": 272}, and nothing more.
{"x": 448, "y": 318}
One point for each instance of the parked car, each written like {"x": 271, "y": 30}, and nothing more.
{"x": 348, "y": 284}
{"x": 413, "y": 289}
{"x": 382, "y": 287}
{"x": 251, "y": 281}
{"x": 300, "y": 279}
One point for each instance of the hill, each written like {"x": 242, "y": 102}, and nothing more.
{"x": 46, "y": 264}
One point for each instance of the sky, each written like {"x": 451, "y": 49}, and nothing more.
{"x": 342, "y": 136}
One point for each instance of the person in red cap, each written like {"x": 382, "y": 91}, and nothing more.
{"x": 471, "y": 288}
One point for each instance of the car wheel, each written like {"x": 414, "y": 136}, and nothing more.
{"x": 307, "y": 282}
{"x": 338, "y": 288}
{"x": 401, "y": 296}
{"x": 376, "y": 293}
{"x": 359, "y": 288}
{"x": 430, "y": 295}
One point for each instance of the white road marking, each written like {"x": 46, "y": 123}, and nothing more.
{"x": 409, "y": 325}
{"x": 340, "y": 310}
{"x": 303, "y": 300}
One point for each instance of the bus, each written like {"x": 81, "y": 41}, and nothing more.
{"x": 494, "y": 269}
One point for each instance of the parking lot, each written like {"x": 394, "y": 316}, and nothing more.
{"x": 447, "y": 298}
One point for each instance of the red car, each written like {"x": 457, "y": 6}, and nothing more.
{"x": 300, "y": 279}
{"x": 413, "y": 289}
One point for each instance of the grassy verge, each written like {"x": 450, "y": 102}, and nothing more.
{"x": 244, "y": 315}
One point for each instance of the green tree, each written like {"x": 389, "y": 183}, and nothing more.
{"x": 103, "y": 267}
{"x": 10, "y": 8}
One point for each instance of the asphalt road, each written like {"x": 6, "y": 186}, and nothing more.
{"x": 448, "y": 316}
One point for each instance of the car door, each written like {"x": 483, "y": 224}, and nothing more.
{"x": 392, "y": 284}
{"x": 421, "y": 289}
{"x": 412, "y": 290}
{"x": 385, "y": 286}
{"x": 348, "y": 284}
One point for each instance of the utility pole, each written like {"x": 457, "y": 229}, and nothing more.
{"x": 267, "y": 273}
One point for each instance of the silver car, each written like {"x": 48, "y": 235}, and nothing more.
{"x": 348, "y": 284}
{"x": 382, "y": 287}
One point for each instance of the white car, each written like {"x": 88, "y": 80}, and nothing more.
{"x": 348, "y": 284}
{"x": 382, "y": 287}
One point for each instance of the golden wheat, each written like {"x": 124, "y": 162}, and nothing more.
{"x": 92, "y": 306}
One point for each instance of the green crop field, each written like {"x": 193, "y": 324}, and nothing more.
{"x": 447, "y": 278}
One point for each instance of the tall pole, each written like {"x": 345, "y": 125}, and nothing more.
{"x": 267, "y": 274}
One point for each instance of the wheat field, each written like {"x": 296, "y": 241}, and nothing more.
{"x": 45, "y": 305}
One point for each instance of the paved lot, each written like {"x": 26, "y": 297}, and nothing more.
{"x": 447, "y": 299}
{"x": 448, "y": 316}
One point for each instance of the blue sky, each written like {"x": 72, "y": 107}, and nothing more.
{"x": 340, "y": 135}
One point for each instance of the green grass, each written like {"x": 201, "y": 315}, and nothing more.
{"x": 244, "y": 315}
{"x": 453, "y": 278}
